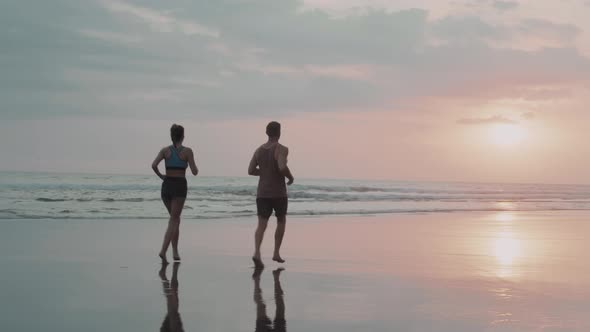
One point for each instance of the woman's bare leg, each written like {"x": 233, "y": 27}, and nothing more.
{"x": 172, "y": 232}
{"x": 176, "y": 211}
{"x": 167, "y": 234}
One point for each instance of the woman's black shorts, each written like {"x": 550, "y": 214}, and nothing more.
{"x": 173, "y": 187}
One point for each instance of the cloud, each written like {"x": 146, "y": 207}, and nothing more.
{"x": 528, "y": 115}
{"x": 239, "y": 59}
{"x": 505, "y": 5}
{"x": 525, "y": 34}
{"x": 160, "y": 21}
{"x": 463, "y": 28}
{"x": 483, "y": 121}
{"x": 108, "y": 36}
{"x": 548, "y": 30}
{"x": 546, "y": 93}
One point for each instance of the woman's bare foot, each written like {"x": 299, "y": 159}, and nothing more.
{"x": 163, "y": 258}
{"x": 257, "y": 272}
{"x": 257, "y": 262}
{"x": 162, "y": 273}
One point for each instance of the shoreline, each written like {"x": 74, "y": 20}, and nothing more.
{"x": 212, "y": 176}
{"x": 329, "y": 217}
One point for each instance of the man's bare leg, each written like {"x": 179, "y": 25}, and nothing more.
{"x": 258, "y": 237}
{"x": 279, "y": 233}
{"x": 279, "y": 300}
{"x": 261, "y": 317}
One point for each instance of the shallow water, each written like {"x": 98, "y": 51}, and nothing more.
{"x": 435, "y": 272}
{"x": 71, "y": 196}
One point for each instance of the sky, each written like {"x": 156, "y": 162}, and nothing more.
{"x": 427, "y": 90}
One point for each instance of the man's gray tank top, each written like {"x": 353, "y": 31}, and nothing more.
{"x": 271, "y": 183}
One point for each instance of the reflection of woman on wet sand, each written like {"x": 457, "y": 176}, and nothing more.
{"x": 172, "y": 321}
{"x": 263, "y": 323}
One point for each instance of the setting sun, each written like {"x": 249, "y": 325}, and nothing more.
{"x": 507, "y": 135}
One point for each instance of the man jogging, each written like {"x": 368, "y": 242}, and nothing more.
{"x": 269, "y": 163}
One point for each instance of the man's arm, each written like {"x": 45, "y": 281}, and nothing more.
{"x": 283, "y": 152}
{"x": 191, "y": 162}
{"x": 156, "y": 162}
{"x": 253, "y": 167}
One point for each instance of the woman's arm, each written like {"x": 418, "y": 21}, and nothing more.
{"x": 191, "y": 162}
{"x": 156, "y": 162}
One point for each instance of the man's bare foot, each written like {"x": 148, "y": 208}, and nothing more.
{"x": 277, "y": 258}
{"x": 177, "y": 258}
{"x": 163, "y": 258}
{"x": 257, "y": 262}
{"x": 278, "y": 271}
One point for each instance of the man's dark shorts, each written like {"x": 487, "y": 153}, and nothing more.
{"x": 265, "y": 206}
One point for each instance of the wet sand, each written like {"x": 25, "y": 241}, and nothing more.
{"x": 433, "y": 272}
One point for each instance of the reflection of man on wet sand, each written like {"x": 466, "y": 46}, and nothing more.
{"x": 172, "y": 321}
{"x": 263, "y": 323}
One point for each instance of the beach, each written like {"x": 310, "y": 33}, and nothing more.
{"x": 476, "y": 271}
{"x": 427, "y": 160}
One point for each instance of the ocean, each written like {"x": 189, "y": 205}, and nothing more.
{"x": 86, "y": 196}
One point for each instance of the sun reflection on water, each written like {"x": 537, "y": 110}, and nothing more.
{"x": 507, "y": 253}
{"x": 506, "y": 246}
{"x": 504, "y": 217}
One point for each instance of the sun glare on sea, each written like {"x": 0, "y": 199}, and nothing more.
{"x": 507, "y": 135}
{"x": 506, "y": 248}
{"x": 504, "y": 217}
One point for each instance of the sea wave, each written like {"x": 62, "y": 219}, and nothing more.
{"x": 138, "y": 197}
{"x": 211, "y": 215}
{"x": 49, "y": 200}
{"x": 304, "y": 196}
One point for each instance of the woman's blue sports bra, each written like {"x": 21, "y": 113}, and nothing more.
{"x": 174, "y": 162}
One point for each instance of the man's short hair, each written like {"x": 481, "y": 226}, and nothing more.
{"x": 273, "y": 129}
